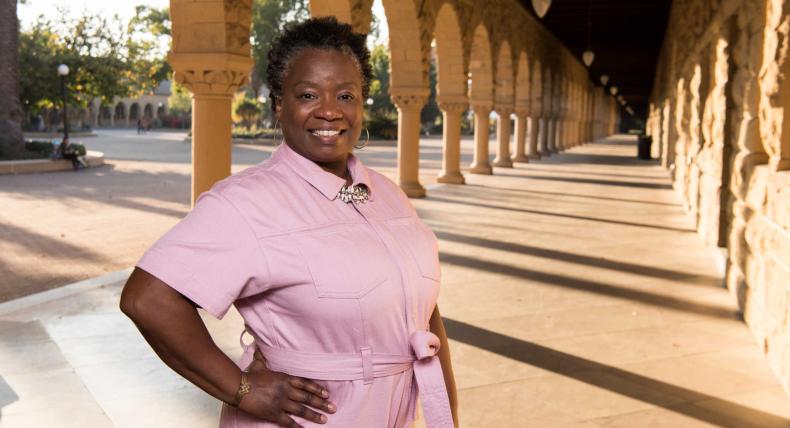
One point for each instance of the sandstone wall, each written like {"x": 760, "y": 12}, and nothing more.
{"x": 717, "y": 113}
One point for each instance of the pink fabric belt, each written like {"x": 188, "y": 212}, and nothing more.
{"x": 367, "y": 366}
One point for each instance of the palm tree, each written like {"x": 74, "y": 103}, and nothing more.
{"x": 11, "y": 140}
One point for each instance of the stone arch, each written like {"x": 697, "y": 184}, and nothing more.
{"x": 120, "y": 112}
{"x": 105, "y": 115}
{"x": 503, "y": 92}
{"x": 480, "y": 67}
{"x": 523, "y": 84}
{"x": 449, "y": 55}
{"x": 548, "y": 94}
{"x": 148, "y": 111}
{"x": 408, "y": 53}
{"x": 355, "y": 12}
{"x": 161, "y": 110}
{"x": 134, "y": 112}
{"x": 536, "y": 91}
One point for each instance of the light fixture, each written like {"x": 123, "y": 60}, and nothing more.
{"x": 613, "y": 90}
{"x": 630, "y": 110}
{"x": 541, "y": 7}
{"x": 63, "y": 70}
{"x": 369, "y": 101}
{"x": 604, "y": 79}
{"x": 588, "y": 56}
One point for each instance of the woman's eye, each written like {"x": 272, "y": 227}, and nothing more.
{"x": 307, "y": 96}
{"x": 346, "y": 97}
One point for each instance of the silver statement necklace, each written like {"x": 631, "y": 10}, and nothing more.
{"x": 355, "y": 193}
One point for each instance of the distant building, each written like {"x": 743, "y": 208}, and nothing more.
{"x": 125, "y": 112}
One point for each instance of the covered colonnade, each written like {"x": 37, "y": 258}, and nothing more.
{"x": 491, "y": 56}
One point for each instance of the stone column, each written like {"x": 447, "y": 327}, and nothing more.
{"x": 534, "y": 132}
{"x": 451, "y": 155}
{"x": 480, "y": 164}
{"x": 547, "y": 124}
{"x": 523, "y": 126}
{"x": 554, "y": 142}
{"x": 212, "y": 79}
{"x": 409, "y": 103}
{"x": 502, "y": 158}
{"x": 551, "y": 132}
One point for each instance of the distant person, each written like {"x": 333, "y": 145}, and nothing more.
{"x": 68, "y": 151}
{"x": 140, "y": 128}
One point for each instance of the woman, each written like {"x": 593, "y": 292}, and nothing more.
{"x": 335, "y": 276}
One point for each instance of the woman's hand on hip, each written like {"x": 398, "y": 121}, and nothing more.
{"x": 276, "y": 396}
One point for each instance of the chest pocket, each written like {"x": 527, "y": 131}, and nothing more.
{"x": 346, "y": 261}
{"x": 420, "y": 242}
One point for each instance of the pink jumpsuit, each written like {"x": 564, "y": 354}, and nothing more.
{"x": 335, "y": 292}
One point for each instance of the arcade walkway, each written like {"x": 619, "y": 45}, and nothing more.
{"x": 575, "y": 293}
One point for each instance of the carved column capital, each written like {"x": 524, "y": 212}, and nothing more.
{"x": 503, "y": 110}
{"x": 453, "y": 106}
{"x": 482, "y": 108}
{"x": 210, "y": 74}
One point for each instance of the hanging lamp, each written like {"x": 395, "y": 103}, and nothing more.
{"x": 588, "y": 56}
{"x": 604, "y": 79}
{"x": 541, "y": 7}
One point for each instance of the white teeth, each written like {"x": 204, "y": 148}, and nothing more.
{"x": 325, "y": 132}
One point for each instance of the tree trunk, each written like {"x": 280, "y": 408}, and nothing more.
{"x": 11, "y": 140}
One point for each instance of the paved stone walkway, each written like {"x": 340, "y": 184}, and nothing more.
{"x": 575, "y": 293}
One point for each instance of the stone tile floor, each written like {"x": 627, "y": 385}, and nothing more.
{"x": 575, "y": 293}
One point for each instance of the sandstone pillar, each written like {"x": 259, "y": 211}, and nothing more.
{"x": 212, "y": 79}
{"x": 502, "y": 159}
{"x": 409, "y": 103}
{"x": 535, "y": 132}
{"x": 480, "y": 164}
{"x": 523, "y": 127}
{"x": 551, "y": 137}
{"x": 545, "y": 136}
{"x": 451, "y": 155}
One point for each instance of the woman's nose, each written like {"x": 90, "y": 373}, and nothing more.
{"x": 328, "y": 110}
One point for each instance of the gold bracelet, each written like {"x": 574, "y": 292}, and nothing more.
{"x": 244, "y": 389}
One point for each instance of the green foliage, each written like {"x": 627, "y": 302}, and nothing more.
{"x": 382, "y": 121}
{"x": 430, "y": 115}
{"x": 180, "y": 101}
{"x": 247, "y": 110}
{"x": 105, "y": 58}
{"x": 40, "y": 149}
{"x": 269, "y": 18}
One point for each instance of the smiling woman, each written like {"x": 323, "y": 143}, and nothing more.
{"x": 326, "y": 260}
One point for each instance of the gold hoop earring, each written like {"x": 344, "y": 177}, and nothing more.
{"x": 367, "y": 141}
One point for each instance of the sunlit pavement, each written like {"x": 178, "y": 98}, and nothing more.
{"x": 575, "y": 293}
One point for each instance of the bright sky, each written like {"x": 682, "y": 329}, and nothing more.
{"x": 28, "y": 12}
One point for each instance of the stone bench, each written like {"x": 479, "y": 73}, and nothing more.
{"x": 29, "y": 166}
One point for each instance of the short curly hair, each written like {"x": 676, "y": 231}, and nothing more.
{"x": 315, "y": 33}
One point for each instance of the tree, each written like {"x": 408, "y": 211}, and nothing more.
{"x": 12, "y": 143}
{"x": 430, "y": 112}
{"x": 269, "y": 18}
{"x": 248, "y": 110}
{"x": 107, "y": 60}
{"x": 382, "y": 114}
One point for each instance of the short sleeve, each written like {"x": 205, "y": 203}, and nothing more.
{"x": 211, "y": 256}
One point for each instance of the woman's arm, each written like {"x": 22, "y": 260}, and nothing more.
{"x": 437, "y": 328}
{"x": 171, "y": 325}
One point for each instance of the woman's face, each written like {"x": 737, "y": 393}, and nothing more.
{"x": 321, "y": 107}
